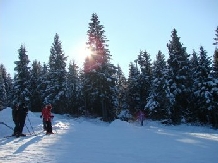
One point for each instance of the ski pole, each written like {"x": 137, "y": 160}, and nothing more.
{"x": 31, "y": 124}
{"x": 28, "y": 129}
{"x": 7, "y": 125}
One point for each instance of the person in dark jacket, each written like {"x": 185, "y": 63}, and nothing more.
{"x": 19, "y": 119}
{"x": 14, "y": 116}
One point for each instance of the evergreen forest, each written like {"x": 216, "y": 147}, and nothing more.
{"x": 180, "y": 89}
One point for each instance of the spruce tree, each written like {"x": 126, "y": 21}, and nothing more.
{"x": 145, "y": 76}
{"x": 214, "y": 110}
{"x": 202, "y": 86}
{"x": 192, "y": 115}
{"x": 133, "y": 89}
{"x": 36, "y": 100}
{"x": 213, "y": 107}
{"x": 73, "y": 89}
{"x": 21, "y": 88}
{"x": 8, "y": 83}
{"x": 121, "y": 85}
{"x": 158, "y": 102}
{"x": 215, "y": 56}
{"x": 43, "y": 81}
{"x": 56, "y": 88}
{"x": 99, "y": 81}
{"x": 3, "y": 94}
{"x": 179, "y": 78}
{"x": 207, "y": 91}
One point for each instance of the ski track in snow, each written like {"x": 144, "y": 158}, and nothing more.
{"x": 32, "y": 148}
{"x": 82, "y": 140}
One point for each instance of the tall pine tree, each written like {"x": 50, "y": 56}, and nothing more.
{"x": 3, "y": 93}
{"x": 36, "y": 99}
{"x": 57, "y": 75}
{"x": 179, "y": 78}
{"x": 145, "y": 76}
{"x": 8, "y": 84}
{"x": 121, "y": 85}
{"x": 99, "y": 81}
{"x": 133, "y": 89}
{"x": 192, "y": 114}
{"x": 22, "y": 78}
{"x": 73, "y": 89}
{"x": 43, "y": 82}
{"x": 215, "y": 83}
{"x": 215, "y": 56}
{"x": 201, "y": 85}
{"x": 158, "y": 102}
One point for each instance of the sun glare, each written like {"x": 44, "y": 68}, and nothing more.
{"x": 86, "y": 52}
{"x": 80, "y": 52}
{"x": 83, "y": 52}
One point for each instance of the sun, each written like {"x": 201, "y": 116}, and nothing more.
{"x": 80, "y": 52}
{"x": 85, "y": 51}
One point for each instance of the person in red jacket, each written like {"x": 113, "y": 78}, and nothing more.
{"x": 48, "y": 117}
{"x": 43, "y": 118}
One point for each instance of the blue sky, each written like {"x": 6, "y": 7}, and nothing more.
{"x": 130, "y": 26}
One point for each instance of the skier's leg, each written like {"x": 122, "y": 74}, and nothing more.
{"x": 16, "y": 128}
{"x": 22, "y": 123}
{"x": 49, "y": 127}
{"x": 44, "y": 124}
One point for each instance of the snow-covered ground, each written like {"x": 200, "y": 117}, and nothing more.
{"x": 82, "y": 140}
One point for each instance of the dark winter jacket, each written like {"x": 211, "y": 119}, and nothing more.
{"x": 20, "y": 113}
{"x": 14, "y": 112}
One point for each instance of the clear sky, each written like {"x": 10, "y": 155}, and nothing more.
{"x": 130, "y": 26}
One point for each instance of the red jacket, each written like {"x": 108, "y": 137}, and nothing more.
{"x": 43, "y": 112}
{"x": 47, "y": 113}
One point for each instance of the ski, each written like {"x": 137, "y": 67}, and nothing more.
{"x": 16, "y": 136}
{"x": 24, "y": 135}
{"x": 49, "y": 133}
{"x": 9, "y": 136}
{"x": 28, "y": 135}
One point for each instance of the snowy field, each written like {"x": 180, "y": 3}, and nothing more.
{"x": 82, "y": 140}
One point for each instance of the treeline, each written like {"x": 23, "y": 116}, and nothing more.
{"x": 181, "y": 89}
